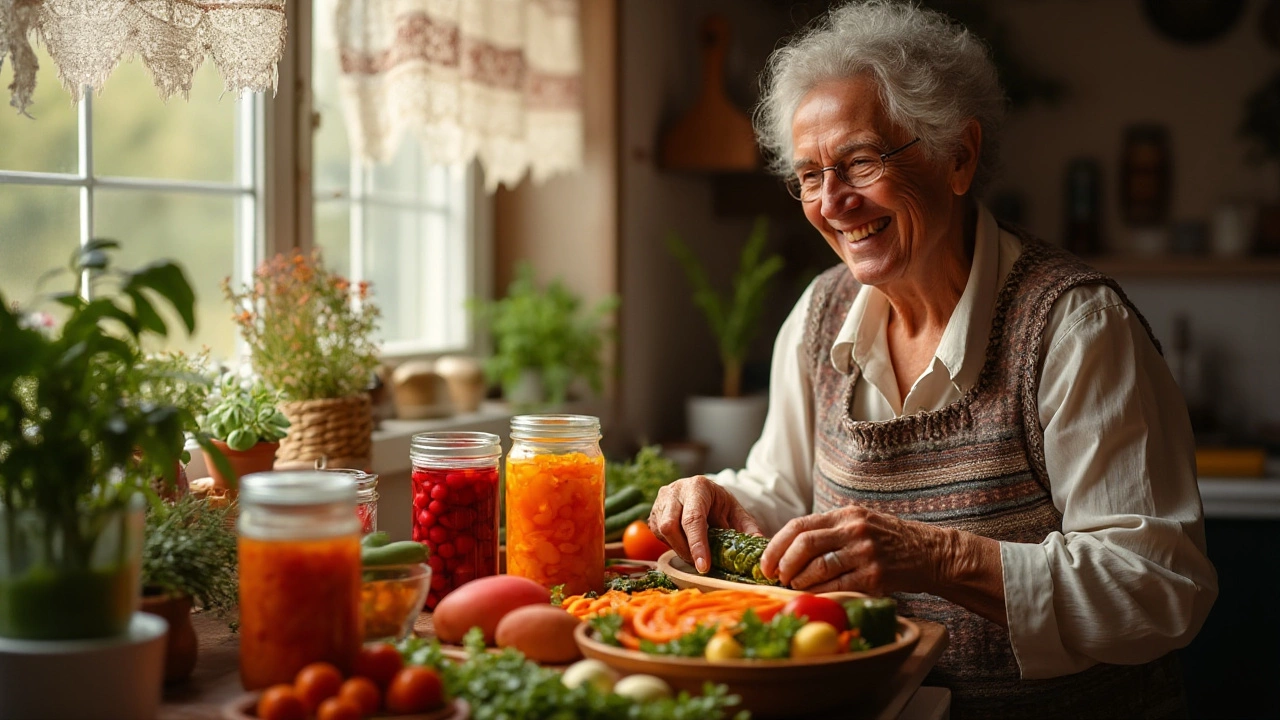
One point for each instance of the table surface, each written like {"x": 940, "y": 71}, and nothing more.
{"x": 216, "y": 679}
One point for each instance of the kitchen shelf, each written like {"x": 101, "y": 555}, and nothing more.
{"x": 1263, "y": 268}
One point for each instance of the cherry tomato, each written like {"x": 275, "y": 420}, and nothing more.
{"x": 379, "y": 662}
{"x": 363, "y": 693}
{"x": 281, "y": 702}
{"x": 335, "y": 708}
{"x": 316, "y": 683}
{"x": 639, "y": 542}
{"x": 818, "y": 609}
{"x": 415, "y": 689}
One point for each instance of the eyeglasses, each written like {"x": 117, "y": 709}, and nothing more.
{"x": 857, "y": 170}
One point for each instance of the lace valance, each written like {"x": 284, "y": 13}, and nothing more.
{"x": 88, "y": 38}
{"x": 495, "y": 80}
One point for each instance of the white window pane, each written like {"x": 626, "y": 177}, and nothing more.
{"x": 400, "y": 179}
{"x": 391, "y": 258}
{"x": 137, "y": 134}
{"x": 333, "y": 235}
{"x": 330, "y": 153}
{"x": 197, "y": 231}
{"x": 39, "y": 230}
{"x": 49, "y": 142}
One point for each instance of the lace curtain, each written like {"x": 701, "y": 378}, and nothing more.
{"x": 496, "y": 80}
{"x": 88, "y": 38}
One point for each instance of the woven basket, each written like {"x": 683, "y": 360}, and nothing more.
{"x": 330, "y": 432}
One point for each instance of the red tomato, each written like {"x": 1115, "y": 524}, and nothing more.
{"x": 281, "y": 702}
{"x": 379, "y": 662}
{"x": 818, "y": 609}
{"x": 316, "y": 683}
{"x": 415, "y": 689}
{"x": 639, "y": 542}
{"x": 335, "y": 708}
{"x": 363, "y": 693}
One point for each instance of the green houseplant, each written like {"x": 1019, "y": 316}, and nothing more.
{"x": 188, "y": 558}
{"x": 312, "y": 337}
{"x": 77, "y": 448}
{"x": 543, "y": 332}
{"x": 247, "y": 425}
{"x": 727, "y": 425}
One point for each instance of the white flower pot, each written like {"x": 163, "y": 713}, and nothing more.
{"x": 727, "y": 426}
{"x": 116, "y": 678}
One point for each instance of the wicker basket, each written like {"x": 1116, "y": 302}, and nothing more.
{"x": 330, "y": 432}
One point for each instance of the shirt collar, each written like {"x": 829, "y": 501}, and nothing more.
{"x": 962, "y": 348}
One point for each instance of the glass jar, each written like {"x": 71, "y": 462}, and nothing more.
{"x": 299, "y": 552}
{"x": 455, "y": 506}
{"x": 366, "y": 496}
{"x": 555, "y": 501}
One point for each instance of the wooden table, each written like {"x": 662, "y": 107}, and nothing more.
{"x": 216, "y": 680}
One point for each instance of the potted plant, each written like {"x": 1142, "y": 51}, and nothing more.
{"x": 72, "y": 481}
{"x": 246, "y": 425}
{"x": 311, "y": 337}
{"x": 543, "y": 341}
{"x": 183, "y": 382}
{"x": 729, "y": 424}
{"x": 188, "y": 559}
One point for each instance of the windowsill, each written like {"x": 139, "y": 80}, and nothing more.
{"x": 392, "y": 438}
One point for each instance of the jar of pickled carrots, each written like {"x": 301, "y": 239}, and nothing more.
{"x": 455, "y": 506}
{"x": 555, "y": 501}
{"x": 299, "y": 556}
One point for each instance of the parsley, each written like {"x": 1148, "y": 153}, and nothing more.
{"x": 767, "y": 640}
{"x": 607, "y": 626}
{"x": 557, "y": 595}
{"x": 691, "y": 644}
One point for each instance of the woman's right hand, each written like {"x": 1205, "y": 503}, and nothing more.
{"x": 684, "y": 509}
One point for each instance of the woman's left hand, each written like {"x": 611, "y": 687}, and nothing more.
{"x": 853, "y": 548}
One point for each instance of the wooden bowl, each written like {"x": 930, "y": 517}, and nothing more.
{"x": 243, "y": 708}
{"x": 685, "y": 575}
{"x": 770, "y": 688}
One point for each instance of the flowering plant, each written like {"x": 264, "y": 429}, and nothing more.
{"x": 310, "y": 331}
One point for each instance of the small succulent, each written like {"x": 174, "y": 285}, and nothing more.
{"x": 245, "y": 413}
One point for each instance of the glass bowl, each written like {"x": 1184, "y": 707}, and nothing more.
{"x": 391, "y": 597}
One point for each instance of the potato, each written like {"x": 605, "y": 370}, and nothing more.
{"x": 483, "y": 603}
{"x": 544, "y": 633}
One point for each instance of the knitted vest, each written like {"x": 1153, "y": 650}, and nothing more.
{"x": 976, "y": 465}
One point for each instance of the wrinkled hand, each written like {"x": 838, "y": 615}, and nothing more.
{"x": 684, "y": 509}
{"x": 853, "y": 548}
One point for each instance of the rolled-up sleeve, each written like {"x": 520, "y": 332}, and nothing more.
{"x": 776, "y": 484}
{"x": 1127, "y": 580}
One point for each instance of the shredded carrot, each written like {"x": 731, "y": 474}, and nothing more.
{"x": 661, "y": 616}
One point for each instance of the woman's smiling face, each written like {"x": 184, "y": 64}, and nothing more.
{"x": 890, "y": 230}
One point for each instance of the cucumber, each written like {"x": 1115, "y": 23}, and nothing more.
{"x": 404, "y": 552}
{"x": 615, "y": 525}
{"x": 375, "y": 539}
{"x": 627, "y": 497}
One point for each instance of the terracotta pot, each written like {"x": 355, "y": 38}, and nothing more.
{"x": 181, "y": 646}
{"x": 259, "y": 458}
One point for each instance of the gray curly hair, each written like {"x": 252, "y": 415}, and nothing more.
{"x": 933, "y": 74}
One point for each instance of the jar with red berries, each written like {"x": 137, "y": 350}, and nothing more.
{"x": 455, "y": 506}
{"x": 366, "y": 496}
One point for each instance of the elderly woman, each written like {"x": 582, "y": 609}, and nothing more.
{"x": 960, "y": 414}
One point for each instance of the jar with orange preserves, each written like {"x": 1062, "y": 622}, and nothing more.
{"x": 555, "y": 501}
{"x": 299, "y": 554}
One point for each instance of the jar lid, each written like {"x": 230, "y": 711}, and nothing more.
{"x": 302, "y": 487}
{"x": 455, "y": 445}
{"x": 555, "y": 427}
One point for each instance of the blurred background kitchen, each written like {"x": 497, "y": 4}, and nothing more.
{"x": 1144, "y": 135}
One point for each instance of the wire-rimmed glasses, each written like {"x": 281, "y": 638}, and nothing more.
{"x": 857, "y": 170}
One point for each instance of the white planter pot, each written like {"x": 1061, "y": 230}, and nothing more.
{"x": 115, "y": 678}
{"x": 727, "y": 426}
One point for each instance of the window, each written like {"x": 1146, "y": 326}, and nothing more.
{"x": 406, "y": 227}
{"x": 188, "y": 180}
{"x": 179, "y": 181}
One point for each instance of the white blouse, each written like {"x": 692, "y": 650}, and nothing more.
{"x": 1127, "y": 580}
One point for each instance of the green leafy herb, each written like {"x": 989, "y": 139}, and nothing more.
{"x": 652, "y": 580}
{"x": 503, "y": 686}
{"x": 557, "y": 595}
{"x": 648, "y": 472}
{"x": 190, "y": 550}
{"x": 245, "y": 413}
{"x": 691, "y": 644}
{"x": 767, "y": 640}
{"x": 607, "y": 627}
